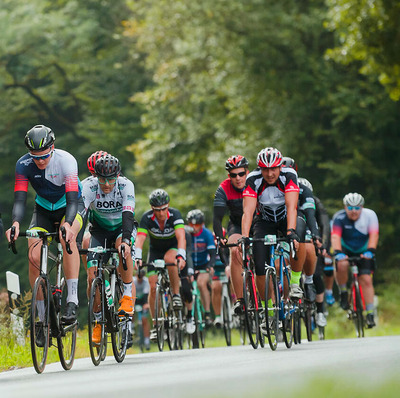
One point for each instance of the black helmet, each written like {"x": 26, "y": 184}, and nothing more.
{"x": 289, "y": 162}
{"x": 158, "y": 197}
{"x": 235, "y": 162}
{"x": 39, "y": 138}
{"x": 107, "y": 166}
{"x": 195, "y": 216}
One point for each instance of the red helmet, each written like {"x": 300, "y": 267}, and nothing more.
{"x": 92, "y": 160}
{"x": 269, "y": 157}
{"x": 235, "y": 162}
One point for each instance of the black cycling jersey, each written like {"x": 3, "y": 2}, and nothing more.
{"x": 306, "y": 206}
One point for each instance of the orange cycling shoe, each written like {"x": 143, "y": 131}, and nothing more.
{"x": 126, "y": 306}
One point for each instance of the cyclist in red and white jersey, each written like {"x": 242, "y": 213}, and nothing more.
{"x": 273, "y": 192}
{"x": 53, "y": 174}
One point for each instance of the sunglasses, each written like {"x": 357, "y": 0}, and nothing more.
{"x": 234, "y": 175}
{"x": 353, "y": 207}
{"x": 160, "y": 208}
{"x": 41, "y": 157}
{"x": 103, "y": 180}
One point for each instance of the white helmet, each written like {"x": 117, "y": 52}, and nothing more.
{"x": 305, "y": 182}
{"x": 353, "y": 199}
{"x": 269, "y": 157}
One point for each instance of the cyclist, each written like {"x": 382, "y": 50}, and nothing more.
{"x": 203, "y": 257}
{"x": 110, "y": 198}
{"x": 355, "y": 231}
{"x": 273, "y": 192}
{"x": 165, "y": 226}
{"x": 324, "y": 228}
{"x": 86, "y": 234}
{"x": 142, "y": 298}
{"x": 229, "y": 196}
{"x": 53, "y": 174}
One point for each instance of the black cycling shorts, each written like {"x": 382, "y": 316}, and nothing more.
{"x": 365, "y": 266}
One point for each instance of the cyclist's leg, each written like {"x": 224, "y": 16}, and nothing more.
{"x": 216, "y": 293}
{"x": 342, "y": 276}
{"x": 202, "y": 282}
{"x": 236, "y": 266}
{"x": 309, "y": 269}
{"x": 297, "y": 264}
{"x": 365, "y": 270}
{"x": 170, "y": 257}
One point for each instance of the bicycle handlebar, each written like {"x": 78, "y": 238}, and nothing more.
{"x": 103, "y": 250}
{"x": 67, "y": 245}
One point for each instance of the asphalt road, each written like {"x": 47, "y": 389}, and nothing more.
{"x": 238, "y": 371}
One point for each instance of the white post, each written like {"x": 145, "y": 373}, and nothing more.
{"x": 17, "y": 322}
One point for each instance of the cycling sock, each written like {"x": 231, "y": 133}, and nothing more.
{"x": 369, "y": 308}
{"x": 270, "y": 304}
{"x": 207, "y": 314}
{"x": 328, "y": 292}
{"x": 40, "y": 309}
{"x": 97, "y": 316}
{"x": 343, "y": 288}
{"x": 72, "y": 285}
{"x": 128, "y": 289}
{"x": 146, "y": 340}
{"x": 320, "y": 307}
{"x": 308, "y": 279}
{"x": 295, "y": 278}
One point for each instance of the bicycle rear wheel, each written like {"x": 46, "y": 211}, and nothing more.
{"x": 271, "y": 312}
{"x": 197, "y": 335}
{"x": 308, "y": 320}
{"x": 297, "y": 326}
{"x": 66, "y": 340}
{"x": 40, "y": 324}
{"x": 96, "y": 320}
{"x": 119, "y": 337}
{"x": 169, "y": 323}
{"x": 226, "y": 321}
{"x": 358, "y": 310}
{"x": 250, "y": 311}
{"x": 160, "y": 317}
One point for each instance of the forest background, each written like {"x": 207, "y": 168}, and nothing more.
{"x": 173, "y": 88}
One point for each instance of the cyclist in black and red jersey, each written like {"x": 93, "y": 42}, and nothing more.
{"x": 229, "y": 197}
{"x": 165, "y": 226}
{"x": 273, "y": 191}
{"x": 53, "y": 174}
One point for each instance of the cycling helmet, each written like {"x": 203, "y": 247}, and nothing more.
{"x": 93, "y": 158}
{"x": 39, "y": 138}
{"x": 107, "y": 166}
{"x": 269, "y": 157}
{"x": 353, "y": 199}
{"x": 235, "y": 162}
{"x": 159, "y": 197}
{"x": 195, "y": 216}
{"x": 305, "y": 182}
{"x": 289, "y": 162}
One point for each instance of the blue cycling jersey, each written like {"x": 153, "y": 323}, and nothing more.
{"x": 202, "y": 242}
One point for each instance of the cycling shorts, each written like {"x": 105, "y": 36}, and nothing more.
{"x": 156, "y": 255}
{"x": 365, "y": 266}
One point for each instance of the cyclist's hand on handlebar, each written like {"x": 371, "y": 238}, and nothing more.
{"x": 127, "y": 249}
{"x": 245, "y": 240}
{"x": 292, "y": 237}
{"x": 69, "y": 233}
{"x": 138, "y": 263}
{"x": 181, "y": 262}
{"x": 11, "y": 237}
{"x": 369, "y": 254}
{"x": 339, "y": 256}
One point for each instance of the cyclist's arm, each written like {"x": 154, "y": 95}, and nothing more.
{"x": 71, "y": 190}
{"x": 249, "y": 207}
{"x": 180, "y": 237}
{"x": 336, "y": 241}
{"x": 373, "y": 240}
{"x": 128, "y": 223}
{"x": 291, "y": 199}
{"x": 140, "y": 239}
{"x": 212, "y": 253}
{"x": 219, "y": 213}
{"x": 20, "y": 194}
{"x": 323, "y": 222}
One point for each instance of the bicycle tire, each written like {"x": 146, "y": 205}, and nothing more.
{"x": 359, "y": 308}
{"x": 96, "y": 306}
{"x": 160, "y": 317}
{"x": 196, "y": 335}
{"x": 66, "y": 340}
{"x": 38, "y": 326}
{"x": 242, "y": 329}
{"x": 169, "y": 323}
{"x": 271, "y": 313}
{"x": 297, "y": 326}
{"x": 250, "y": 310}
{"x": 119, "y": 336}
{"x": 226, "y": 321}
{"x": 308, "y": 321}
{"x": 288, "y": 309}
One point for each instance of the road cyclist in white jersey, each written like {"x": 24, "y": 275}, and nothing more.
{"x": 110, "y": 199}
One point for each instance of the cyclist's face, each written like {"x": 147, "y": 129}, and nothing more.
{"x": 353, "y": 212}
{"x": 107, "y": 185}
{"x": 271, "y": 174}
{"x": 161, "y": 212}
{"x": 41, "y": 164}
{"x": 196, "y": 227}
{"x": 238, "y": 177}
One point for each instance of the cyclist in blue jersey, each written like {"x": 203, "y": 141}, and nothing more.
{"x": 203, "y": 257}
{"x": 355, "y": 231}
{"x": 53, "y": 174}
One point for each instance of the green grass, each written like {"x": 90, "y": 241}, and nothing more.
{"x": 14, "y": 356}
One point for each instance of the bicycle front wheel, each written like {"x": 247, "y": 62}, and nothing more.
{"x": 226, "y": 320}
{"x": 160, "y": 317}
{"x": 119, "y": 336}
{"x": 297, "y": 326}
{"x": 271, "y": 309}
{"x": 40, "y": 324}
{"x": 358, "y": 311}
{"x": 308, "y": 320}
{"x": 250, "y": 311}
{"x": 66, "y": 340}
{"x": 96, "y": 322}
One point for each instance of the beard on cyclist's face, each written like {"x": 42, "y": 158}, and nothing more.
{"x": 271, "y": 174}
{"x": 353, "y": 214}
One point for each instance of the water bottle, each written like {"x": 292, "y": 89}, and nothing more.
{"x": 108, "y": 294}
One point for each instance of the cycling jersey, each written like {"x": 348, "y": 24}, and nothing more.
{"x": 107, "y": 210}
{"x": 271, "y": 198}
{"x": 306, "y": 206}
{"x": 161, "y": 240}
{"x": 231, "y": 198}
{"x": 142, "y": 290}
{"x": 355, "y": 234}
{"x": 203, "y": 248}
{"x": 57, "y": 186}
